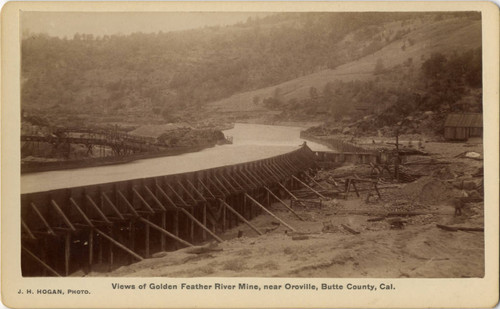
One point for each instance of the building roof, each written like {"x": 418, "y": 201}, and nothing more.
{"x": 464, "y": 120}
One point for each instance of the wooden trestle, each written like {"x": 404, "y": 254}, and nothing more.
{"x": 113, "y": 224}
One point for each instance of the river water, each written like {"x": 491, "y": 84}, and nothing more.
{"x": 250, "y": 142}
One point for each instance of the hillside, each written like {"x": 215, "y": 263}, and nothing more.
{"x": 422, "y": 40}
{"x": 288, "y": 66}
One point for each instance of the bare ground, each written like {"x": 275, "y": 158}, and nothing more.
{"x": 418, "y": 250}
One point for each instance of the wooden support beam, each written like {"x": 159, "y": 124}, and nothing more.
{"x": 204, "y": 218}
{"x": 317, "y": 183}
{"x": 113, "y": 206}
{"x": 248, "y": 180}
{"x": 257, "y": 179}
{"x": 195, "y": 201}
{"x": 163, "y": 240}
{"x": 146, "y": 240}
{"x": 130, "y": 206}
{"x": 269, "y": 212}
{"x": 353, "y": 182}
{"x": 207, "y": 189}
{"x": 37, "y": 211}
{"x": 67, "y": 252}
{"x": 277, "y": 177}
{"x": 91, "y": 248}
{"x": 165, "y": 195}
{"x": 283, "y": 203}
{"x": 63, "y": 216}
{"x": 248, "y": 183}
{"x": 287, "y": 191}
{"x": 157, "y": 201}
{"x": 285, "y": 173}
{"x": 215, "y": 186}
{"x": 158, "y": 228}
{"x": 224, "y": 179}
{"x": 376, "y": 189}
{"x": 196, "y": 190}
{"x": 304, "y": 184}
{"x": 223, "y": 217}
{"x": 178, "y": 195}
{"x": 242, "y": 188}
{"x": 187, "y": 213}
{"x": 149, "y": 208}
{"x": 240, "y": 217}
{"x": 119, "y": 245}
{"x": 97, "y": 209}
{"x": 260, "y": 173}
{"x": 275, "y": 167}
{"x": 221, "y": 184}
{"x": 27, "y": 229}
{"x": 36, "y": 258}
{"x": 80, "y": 211}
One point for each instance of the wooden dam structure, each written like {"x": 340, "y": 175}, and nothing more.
{"x": 76, "y": 229}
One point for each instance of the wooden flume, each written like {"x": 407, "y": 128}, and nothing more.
{"x": 117, "y": 223}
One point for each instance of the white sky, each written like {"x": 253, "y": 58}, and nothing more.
{"x": 100, "y": 23}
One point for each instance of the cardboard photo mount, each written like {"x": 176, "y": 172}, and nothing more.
{"x": 407, "y": 292}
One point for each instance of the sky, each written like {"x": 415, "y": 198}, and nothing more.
{"x": 103, "y": 23}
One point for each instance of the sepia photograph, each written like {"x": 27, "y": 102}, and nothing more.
{"x": 251, "y": 144}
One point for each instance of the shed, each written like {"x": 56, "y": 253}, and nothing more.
{"x": 463, "y": 126}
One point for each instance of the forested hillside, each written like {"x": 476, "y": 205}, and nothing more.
{"x": 163, "y": 75}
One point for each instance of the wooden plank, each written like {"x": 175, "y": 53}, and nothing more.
{"x": 304, "y": 184}
{"x": 67, "y": 252}
{"x": 91, "y": 248}
{"x": 460, "y": 228}
{"x": 228, "y": 183}
{"x": 158, "y": 228}
{"x": 187, "y": 191}
{"x": 269, "y": 212}
{"x": 246, "y": 183}
{"x": 353, "y": 182}
{"x": 146, "y": 240}
{"x": 203, "y": 226}
{"x": 119, "y": 245}
{"x": 99, "y": 211}
{"x": 251, "y": 176}
{"x": 148, "y": 207}
{"x": 317, "y": 183}
{"x": 242, "y": 188}
{"x": 273, "y": 173}
{"x": 37, "y": 211}
{"x": 222, "y": 185}
{"x": 196, "y": 190}
{"x": 177, "y": 195}
{"x": 207, "y": 189}
{"x": 204, "y": 222}
{"x": 215, "y": 186}
{"x": 163, "y": 240}
{"x": 157, "y": 201}
{"x": 165, "y": 195}
{"x": 283, "y": 203}
{"x": 241, "y": 217}
{"x": 129, "y": 205}
{"x": 63, "y": 216}
{"x": 81, "y": 212}
{"x": 248, "y": 180}
{"x": 27, "y": 229}
{"x": 41, "y": 262}
{"x": 349, "y": 229}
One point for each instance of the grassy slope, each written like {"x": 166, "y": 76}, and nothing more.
{"x": 457, "y": 34}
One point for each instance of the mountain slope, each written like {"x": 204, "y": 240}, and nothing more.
{"x": 424, "y": 39}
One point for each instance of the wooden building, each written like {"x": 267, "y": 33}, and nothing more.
{"x": 463, "y": 126}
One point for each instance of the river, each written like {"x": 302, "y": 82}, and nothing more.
{"x": 250, "y": 142}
